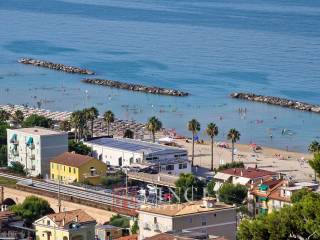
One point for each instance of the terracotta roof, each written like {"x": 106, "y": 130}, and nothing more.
{"x": 64, "y": 218}
{"x": 251, "y": 173}
{"x": 131, "y": 237}
{"x": 177, "y": 236}
{"x": 72, "y": 159}
{"x": 5, "y": 215}
{"x": 183, "y": 208}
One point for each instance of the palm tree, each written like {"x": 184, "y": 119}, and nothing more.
{"x": 78, "y": 122}
{"x": 314, "y": 148}
{"x": 18, "y": 117}
{"x": 194, "y": 127}
{"x": 91, "y": 114}
{"x": 4, "y": 115}
{"x": 234, "y": 136}
{"x": 212, "y": 131}
{"x": 65, "y": 126}
{"x": 154, "y": 125}
{"x": 108, "y": 117}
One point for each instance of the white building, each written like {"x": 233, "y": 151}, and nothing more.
{"x": 127, "y": 152}
{"x": 34, "y": 147}
{"x": 205, "y": 216}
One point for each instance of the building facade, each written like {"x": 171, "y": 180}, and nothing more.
{"x": 205, "y": 216}
{"x": 128, "y": 152}
{"x": 70, "y": 225}
{"x": 34, "y": 147}
{"x": 71, "y": 167}
{"x": 273, "y": 194}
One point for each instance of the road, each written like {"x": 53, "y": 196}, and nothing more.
{"x": 98, "y": 197}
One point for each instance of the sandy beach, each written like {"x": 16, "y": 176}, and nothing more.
{"x": 292, "y": 164}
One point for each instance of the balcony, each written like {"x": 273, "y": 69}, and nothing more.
{"x": 156, "y": 227}
{"x": 33, "y": 157}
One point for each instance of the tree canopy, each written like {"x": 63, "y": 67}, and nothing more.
{"x": 17, "y": 167}
{"x": 37, "y": 120}
{"x": 186, "y": 184}
{"x": 299, "y": 221}
{"x": 232, "y": 194}
{"x": 79, "y": 147}
{"x": 231, "y": 165}
{"x": 32, "y": 208}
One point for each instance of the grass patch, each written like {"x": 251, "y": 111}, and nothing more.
{"x": 7, "y": 182}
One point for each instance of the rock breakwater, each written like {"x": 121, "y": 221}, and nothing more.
{"x": 135, "y": 87}
{"x": 55, "y": 66}
{"x": 283, "y": 102}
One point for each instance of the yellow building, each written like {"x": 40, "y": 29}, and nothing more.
{"x": 72, "y": 167}
{"x": 70, "y": 225}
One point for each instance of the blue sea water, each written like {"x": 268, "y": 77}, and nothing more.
{"x": 205, "y": 47}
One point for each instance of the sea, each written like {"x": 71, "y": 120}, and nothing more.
{"x": 208, "y": 48}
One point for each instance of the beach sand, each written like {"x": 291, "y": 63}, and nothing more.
{"x": 290, "y": 163}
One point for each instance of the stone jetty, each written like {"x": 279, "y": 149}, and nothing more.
{"x": 135, "y": 87}
{"x": 55, "y": 66}
{"x": 283, "y": 102}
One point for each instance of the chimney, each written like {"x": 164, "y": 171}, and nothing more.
{"x": 77, "y": 218}
{"x": 63, "y": 222}
{"x": 241, "y": 173}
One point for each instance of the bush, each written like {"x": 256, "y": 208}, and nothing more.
{"x": 79, "y": 147}
{"x": 17, "y": 167}
{"x": 135, "y": 227}
{"x": 110, "y": 181}
{"x": 231, "y": 165}
{"x": 119, "y": 221}
{"x": 3, "y": 156}
{"x": 37, "y": 120}
{"x": 210, "y": 187}
{"x": 188, "y": 182}
{"x": 232, "y": 194}
{"x": 32, "y": 208}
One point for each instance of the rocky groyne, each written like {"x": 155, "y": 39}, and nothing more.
{"x": 283, "y": 102}
{"x": 55, "y": 66}
{"x": 135, "y": 87}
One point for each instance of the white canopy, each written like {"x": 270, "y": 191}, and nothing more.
{"x": 166, "y": 139}
{"x": 222, "y": 176}
{"x": 241, "y": 181}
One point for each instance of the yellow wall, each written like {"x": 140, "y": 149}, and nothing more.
{"x": 55, "y": 233}
{"x": 71, "y": 174}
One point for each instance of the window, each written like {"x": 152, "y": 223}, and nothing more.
{"x": 48, "y": 222}
{"x": 190, "y": 220}
{"x": 155, "y": 221}
{"x": 203, "y": 222}
{"x": 64, "y": 168}
{"x": 74, "y": 170}
{"x": 170, "y": 167}
{"x": 183, "y": 165}
{"x": 52, "y": 176}
{"x": 69, "y": 169}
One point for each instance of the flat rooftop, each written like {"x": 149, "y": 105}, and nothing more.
{"x": 183, "y": 209}
{"x": 132, "y": 145}
{"x": 38, "y": 131}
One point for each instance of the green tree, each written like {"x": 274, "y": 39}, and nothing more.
{"x": 154, "y": 125}
{"x": 65, "y": 126}
{"x": 4, "y": 115}
{"x": 18, "y": 117}
{"x": 315, "y": 164}
{"x": 37, "y": 120}
{"x": 32, "y": 208}
{"x": 193, "y": 127}
{"x": 78, "y": 122}
{"x": 78, "y": 147}
{"x": 232, "y": 194}
{"x": 119, "y": 221}
{"x": 3, "y": 133}
{"x": 108, "y": 118}
{"x": 234, "y": 136}
{"x": 111, "y": 181}
{"x": 128, "y": 133}
{"x": 212, "y": 131}
{"x": 230, "y": 165}
{"x": 314, "y": 147}
{"x": 210, "y": 188}
{"x": 253, "y": 230}
{"x": 91, "y": 115}
{"x": 135, "y": 227}
{"x": 188, "y": 184}
{"x": 3, "y": 156}
{"x": 17, "y": 167}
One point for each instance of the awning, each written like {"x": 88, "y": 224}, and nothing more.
{"x": 221, "y": 176}
{"x": 30, "y": 141}
{"x": 241, "y": 181}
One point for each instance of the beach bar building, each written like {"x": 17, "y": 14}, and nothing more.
{"x": 34, "y": 147}
{"x": 128, "y": 152}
